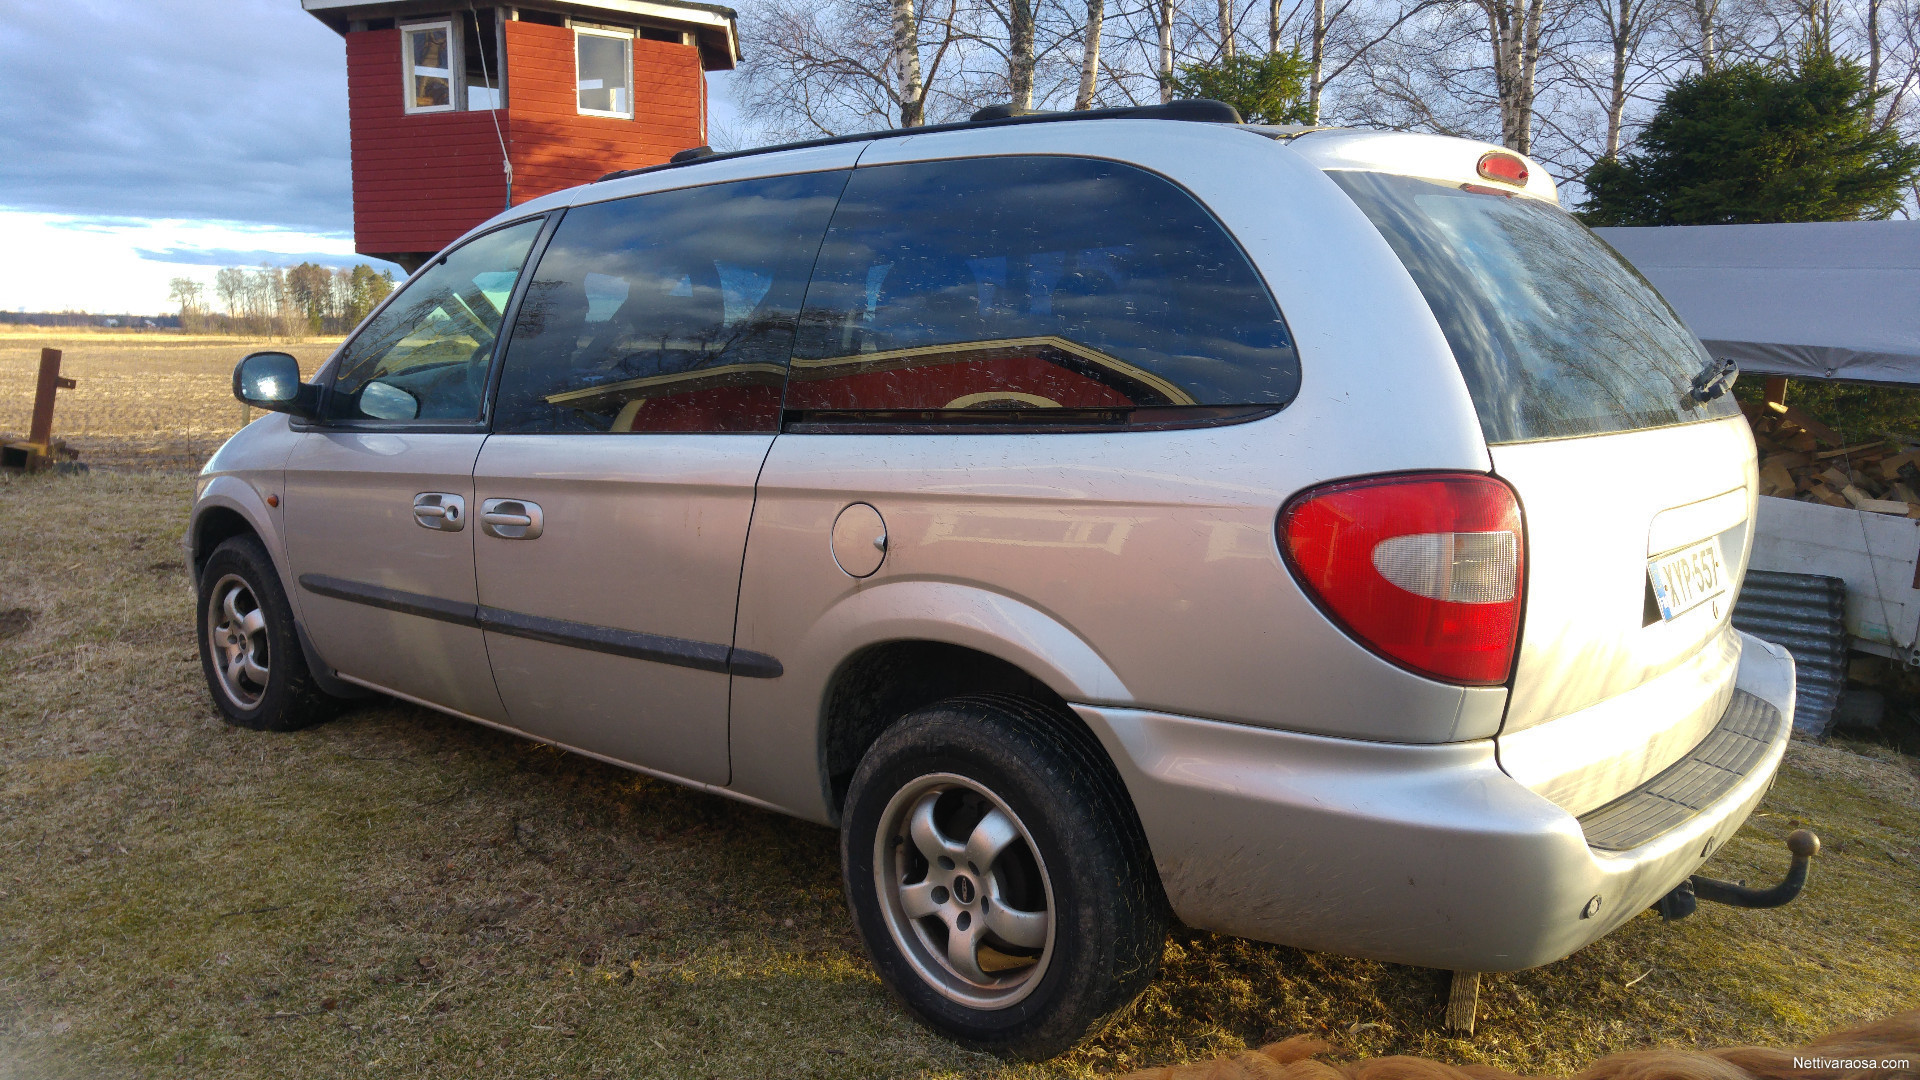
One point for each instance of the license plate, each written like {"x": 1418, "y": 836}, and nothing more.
{"x": 1683, "y": 580}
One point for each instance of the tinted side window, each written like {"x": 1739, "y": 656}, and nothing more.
{"x": 1032, "y": 284}
{"x": 426, "y": 355}
{"x": 667, "y": 312}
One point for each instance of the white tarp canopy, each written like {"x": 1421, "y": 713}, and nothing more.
{"x": 1826, "y": 300}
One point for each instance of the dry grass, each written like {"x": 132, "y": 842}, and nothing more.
{"x": 400, "y": 894}
{"x": 145, "y": 400}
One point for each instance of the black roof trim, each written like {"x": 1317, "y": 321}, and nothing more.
{"x": 1189, "y": 110}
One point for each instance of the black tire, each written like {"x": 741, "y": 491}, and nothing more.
{"x": 1106, "y": 917}
{"x": 287, "y": 698}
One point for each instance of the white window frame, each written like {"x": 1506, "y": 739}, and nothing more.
{"x": 605, "y": 32}
{"x": 455, "y": 83}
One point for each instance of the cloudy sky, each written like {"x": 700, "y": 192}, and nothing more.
{"x": 142, "y": 140}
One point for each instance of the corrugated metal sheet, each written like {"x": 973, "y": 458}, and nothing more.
{"x": 1805, "y": 613}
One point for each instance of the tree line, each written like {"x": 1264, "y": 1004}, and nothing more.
{"x": 288, "y": 302}
{"x": 1572, "y": 83}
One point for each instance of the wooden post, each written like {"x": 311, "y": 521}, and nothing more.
{"x": 1777, "y": 393}
{"x": 1463, "y": 1000}
{"x": 41, "y": 434}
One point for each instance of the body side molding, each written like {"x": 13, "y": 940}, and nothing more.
{"x": 680, "y": 652}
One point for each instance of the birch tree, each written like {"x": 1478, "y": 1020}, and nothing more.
{"x": 1513, "y": 32}
{"x": 1090, "y": 54}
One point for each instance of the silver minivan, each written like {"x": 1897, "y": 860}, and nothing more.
{"x": 1101, "y": 519}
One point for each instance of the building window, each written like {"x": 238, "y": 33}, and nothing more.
{"x": 603, "y": 66}
{"x": 480, "y": 60}
{"x": 427, "y": 53}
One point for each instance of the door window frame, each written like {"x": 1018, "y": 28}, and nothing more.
{"x": 325, "y": 376}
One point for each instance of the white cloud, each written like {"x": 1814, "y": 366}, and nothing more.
{"x": 123, "y": 265}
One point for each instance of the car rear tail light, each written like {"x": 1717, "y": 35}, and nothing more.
{"x": 1427, "y": 569}
{"x": 1506, "y": 168}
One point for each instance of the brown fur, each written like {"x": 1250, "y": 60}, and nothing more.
{"x": 1896, "y": 1037}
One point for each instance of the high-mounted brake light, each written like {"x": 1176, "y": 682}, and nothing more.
{"x": 1506, "y": 168}
{"x": 1426, "y": 569}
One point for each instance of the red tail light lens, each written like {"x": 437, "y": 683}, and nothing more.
{"x": 1507, "y": 168}
{"x": 1427, "y": 570}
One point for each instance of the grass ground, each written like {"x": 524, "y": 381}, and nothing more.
{"x": 400, "y": 894}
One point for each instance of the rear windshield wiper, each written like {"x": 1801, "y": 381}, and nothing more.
{"x": 1715, "y": 379}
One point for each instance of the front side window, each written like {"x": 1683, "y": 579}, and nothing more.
{"x": 427, "y": 53}
{"x": 1039, "y": 289}
{"x": 426, "y": 355}
{"x": 1556, "y": 334}
{"x": 603, "y": 66}
{"x": 666, "y": 312}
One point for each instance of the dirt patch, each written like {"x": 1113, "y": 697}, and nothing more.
{"x": 15, "y": 622}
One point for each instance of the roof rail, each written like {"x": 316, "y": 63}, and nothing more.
{"x": 1190, "y": 110}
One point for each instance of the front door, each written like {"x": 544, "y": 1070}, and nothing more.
{"x": 641, "y": 392}
{"x": 379, "y": 496}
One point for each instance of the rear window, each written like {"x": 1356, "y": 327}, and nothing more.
{"x": 1556, "y": 334}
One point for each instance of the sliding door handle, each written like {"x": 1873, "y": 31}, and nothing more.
{"x": 440, "y": 510}
{"x": 511, "y": 519}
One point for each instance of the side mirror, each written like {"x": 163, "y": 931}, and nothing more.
{"x": 271, "y": 380}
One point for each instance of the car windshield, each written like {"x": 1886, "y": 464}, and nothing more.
{"x": 1556, "y": 334}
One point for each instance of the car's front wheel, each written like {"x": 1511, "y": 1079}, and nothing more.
{"x": 998, "y": 876}
{"x": 249, "y": 648}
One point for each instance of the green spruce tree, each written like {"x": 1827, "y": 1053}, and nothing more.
{"x": 1267, "y": 88}
{"x": 1753, "y": 143}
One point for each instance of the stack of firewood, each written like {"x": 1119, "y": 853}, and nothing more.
{"x": 1802, "y": 458}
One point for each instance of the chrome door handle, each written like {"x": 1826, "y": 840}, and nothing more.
{"x": 441, "y": 510}
{"x": 511, "y": 519}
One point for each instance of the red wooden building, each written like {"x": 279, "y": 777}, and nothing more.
{"x": 456, "y": 113}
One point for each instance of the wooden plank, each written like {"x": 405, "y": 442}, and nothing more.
{"x": 1807, "y": 423}
{"x": 1846, "y": 450}
{"x": 1463, "y": 1001}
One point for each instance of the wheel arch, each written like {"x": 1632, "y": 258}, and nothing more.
{"x": 212, "y": 527}
{"x": 229, "y": 506}
{"x": 883, "y": 681}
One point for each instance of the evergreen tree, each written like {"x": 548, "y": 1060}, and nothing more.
{"x": 1267, "y": 88}
{"x": 1752, "y": 143}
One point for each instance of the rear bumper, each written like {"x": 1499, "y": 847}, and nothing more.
{"x": 1415, "y": 854}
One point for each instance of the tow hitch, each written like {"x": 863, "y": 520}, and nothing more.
{"x": 1680, "y": 903}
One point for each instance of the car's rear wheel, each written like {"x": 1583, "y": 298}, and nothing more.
{"x": 999, "y": 877}
{"x": 249, "y": 648}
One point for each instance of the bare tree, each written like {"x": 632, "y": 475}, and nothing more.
{"x": 1090, "y": 54}
{"x": 1165, "y": 10}
{"x": 906, "y": 58}
{"x": 1020, "y": 53}
{"x": 1513, "y": 31}
{"x": 828, "y": 68}
{"x": 1706, "y": 14}
{"x": 1626, "y": 26}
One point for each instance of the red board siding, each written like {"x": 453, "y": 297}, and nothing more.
{"x": 555, "y": 147}
{"x": 418, "y": 180}
{"x": 421, "y": 180}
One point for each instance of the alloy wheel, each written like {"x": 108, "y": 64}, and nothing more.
{"x": 237, "y": 639}
{"x": 964, "y": 891}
